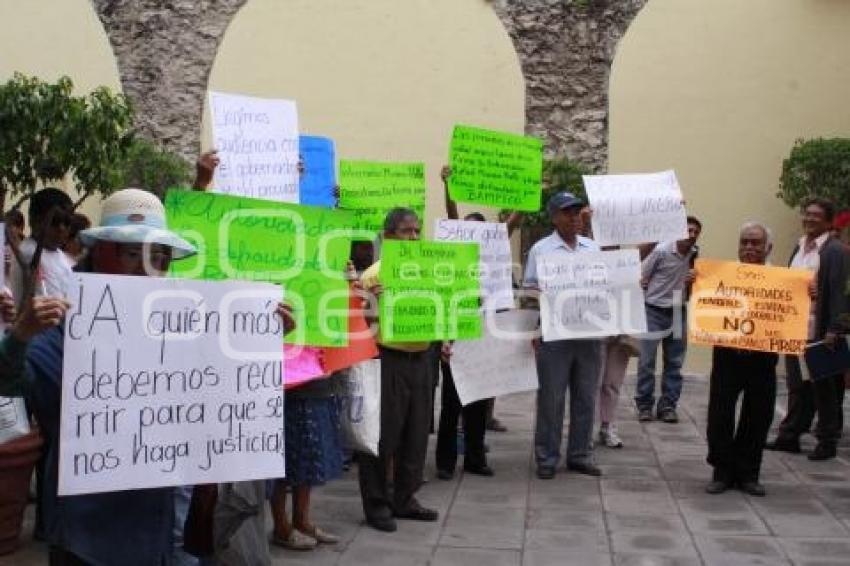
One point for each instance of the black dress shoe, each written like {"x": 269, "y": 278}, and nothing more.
{"x": 385, "y": 524}
{"x": 415, "y": 512}
{"x": 822, "y": 452}
{"x": 545, "y": 473}
{"x": 445, "y": 475}
{"x": 753, "y": 488}
{"x": 790, "y": 445}
{"x": 584, "y": 468}
{"x": 717, "y": 486}
{"x": 484, "y": 470}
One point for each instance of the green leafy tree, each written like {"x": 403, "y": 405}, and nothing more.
{"x": 47, "y": 133}
{"x": 147, "y": 166}
{"x": 817, "y": 167}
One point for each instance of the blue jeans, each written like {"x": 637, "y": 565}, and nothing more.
{"x": 562, "y": 365}
{"x": 674, "y": 342}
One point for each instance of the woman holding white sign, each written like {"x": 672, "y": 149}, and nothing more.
{"x": 120, "y": 527}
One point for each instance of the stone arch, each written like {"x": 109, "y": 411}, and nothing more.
{"x": 166, "y": 51}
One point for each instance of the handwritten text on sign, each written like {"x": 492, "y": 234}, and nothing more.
{"x": 496, "y": 169}
{"x": 170, "y": 382}
{"x": 592, "y": 294}
{"x": 752, "y": 307}
{"x": 257, "y": 141}
{"x": 635, "y": 209}
{"x": 495, "y": 256}
{"x": 431, "y": 291}
{"x": 502, "y": 362}
{"x": 371, "y": 189}
{"x": 303, "y": 248}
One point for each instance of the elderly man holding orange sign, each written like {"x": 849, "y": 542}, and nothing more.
{"x": 750, "y": 313}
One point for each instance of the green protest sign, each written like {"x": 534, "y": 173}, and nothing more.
{"x": 303, "y": 248}
{"x": 431, "y": 291}
{"x": 370, "y": 189}
{"x": 496, "y": 169}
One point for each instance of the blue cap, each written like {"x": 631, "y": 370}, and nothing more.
{"x": 562, "y": 200}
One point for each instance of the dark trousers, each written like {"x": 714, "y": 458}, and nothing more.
{"x": 474, "y": 423}
{"x": 736, "y": 453}
{"x": 406, "y": 411}
{"x": 60, "y": 557}
{"x": 805, "y": 398}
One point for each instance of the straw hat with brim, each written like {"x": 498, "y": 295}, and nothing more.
{"x": 133, "y": 216}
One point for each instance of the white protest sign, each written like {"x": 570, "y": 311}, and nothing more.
{"x": 590, "y": 295}
{"x": 501, "y": 362}
{"x": 494, "y": 257}
{"x": 257, "y": 142}
{"x": 635, "y": 209}
{"x": 170, "y": 382}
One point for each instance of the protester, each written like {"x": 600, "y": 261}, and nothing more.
{"x": 735, "y": 453}
{"x": 313, "y": 457}
{"x": 49, "y": 217}
{"x": 564, "y": 364}
{"x": 405, "y": 411}
{"x": 477, "y": 416}
{"x": 133, "y": 527}
{"x": 667, "y": 273}
{"x": 616, "y": 351}
{"x": 73, "y": 248}
{"x": 827, "y": 258}
{"x": 512, "y": 220}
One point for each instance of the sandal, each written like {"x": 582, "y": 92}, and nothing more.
{"x": 295, "y": 541}
{"x": 322, "y": 537}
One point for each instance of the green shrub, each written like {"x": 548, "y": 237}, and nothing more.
{"x": 817, "y": 167}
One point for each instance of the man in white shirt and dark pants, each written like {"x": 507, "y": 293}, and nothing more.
{"x": 564, "y": 364}
{"x": 826, "y": 256}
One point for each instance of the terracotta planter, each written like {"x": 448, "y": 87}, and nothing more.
{"x": 17, "y": 460}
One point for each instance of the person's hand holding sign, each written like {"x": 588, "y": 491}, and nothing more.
{"x": 38, "y": 315}
{"x": 284, "y": 311}
{"x": 205, "y": 169}
{"x": 7, "y": 307}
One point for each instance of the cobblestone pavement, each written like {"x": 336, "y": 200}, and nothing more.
{"x": 649, "y": 507}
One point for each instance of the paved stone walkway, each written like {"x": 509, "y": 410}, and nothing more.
{"x": 648, "y": 509}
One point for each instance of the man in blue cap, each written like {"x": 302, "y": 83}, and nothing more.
{"x": 563, "y": 364}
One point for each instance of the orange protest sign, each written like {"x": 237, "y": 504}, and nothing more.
{"x": 361, "y": 342}
{"x": 748, "y": 306}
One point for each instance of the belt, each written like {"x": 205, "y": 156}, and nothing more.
{"x": 401, "y": 353}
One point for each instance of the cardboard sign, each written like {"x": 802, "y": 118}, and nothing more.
{"x": 502, "y": 362}
{"x": 496, "y": 267}
{"x": 751, "y": 307}
{"x": 636, "y": 209}
{"x": 317, "y": 184}
{"x": 170, "y": 382}
{"x": 431, "y": 291}
{"x": 303, "y": 248}
{"x": 590, "y": 294}
{"x": 257, "y": 142}
{"x": 361, "y": 341}
{"x": 371, "y": 189}
{"x": 496, "y": 169}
